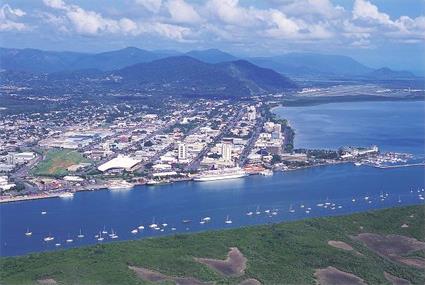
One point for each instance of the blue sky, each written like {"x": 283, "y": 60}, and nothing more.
{"x": 375, "y": 32}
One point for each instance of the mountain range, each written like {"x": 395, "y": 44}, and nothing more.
{"x": 290, "y": 64}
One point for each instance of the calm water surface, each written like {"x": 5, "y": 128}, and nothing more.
{"x": 398, "y": 127}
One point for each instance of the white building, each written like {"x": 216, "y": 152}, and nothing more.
{"x": 252, "y": 114}
{"x": 226, "y": 150}
{"x": 182, "y": 152}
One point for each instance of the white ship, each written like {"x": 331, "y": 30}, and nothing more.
{"x": 119, "y": 185}
{"x": 66, "y": 195}
{"x": 221, "y": 174}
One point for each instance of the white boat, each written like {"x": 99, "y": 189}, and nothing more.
{"x": 366, "y": 198}
{"x": 320, "y": 205}
{"x": 267, "y": 211}
{"x": 135, "y": 231}
{"x": 80, "y": 235}
{"x": 57, "y": 244}
{"x": 221, "y": 174}
{"x": 307, "y": 212}
{"x": 249, "y": 213}
{"x": 113, "y": 235}
{"x": 399, "y": 199}
{"x": 100, "y": 237}
{"x": 206, "y": 219}
{"x": 353, "y": 200}
{"x": 164, "y": 225}
{"x": 48, "y": 238}
{"x": 104, "y": 231}
{"x": 153, "y": 225}
{"x": 69, "y": 240}
{"x": 202, "y": 222}
{"x": 119, "y": 185}
{"x": 43, "y": 212}
{"x": 28, "y": 233}
{"x": 257, "y": 212}
{"x": 141, "y": 227}
{"x": 173, "y": 229}
{"x": 67, "y": 195}
{"x": 291, "y": 210}
{"x": 228, "y": 221}
{"x": 357, "y": 163}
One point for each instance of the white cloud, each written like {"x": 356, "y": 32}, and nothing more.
{"x": 365, "y": 10}
{"x": 56, "y": 4}
{"x": 182, "y": 12}
{"x": 151, "y": 5}
{"x": 9, "y": 19}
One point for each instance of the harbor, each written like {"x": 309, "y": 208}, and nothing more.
{"x": 137, "y": 213}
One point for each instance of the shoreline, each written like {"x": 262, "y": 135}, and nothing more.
{"x": 105, "y": 187}
{"x": 300, "y": 101}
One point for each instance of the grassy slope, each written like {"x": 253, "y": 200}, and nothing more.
{"x": 56, "y": 162}
{"x": 286, "y": 253}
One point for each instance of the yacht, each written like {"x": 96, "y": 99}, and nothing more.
{"x": 100, "y": 237}
{"x": 135, "y": 231}
{"x": 202, "y": 222}
{"x": 141, "y": 227}
{"x": 353, "y": 200}
{"x": 49, "y": 238}
{"x": 266, "y": 172}
{"x": 80, "y": 235}
{"x": 249, "y": 213}
{"x": 69, "y": 240}
{"x": 173, "y": 229}
{"x": 113, "y": 235}
{"x": 43, "y": 212}
{"x": 164, "y": 225}
{"x": 57, "y": 244}
{"x": 104, "y": 230}
{"x": 257, "y": 212}
{"x": 291, "y": 210}
{"x": 228, "y": 221}
{"x": 153, "y": 225}
{"x": 206, "y": 219}
{"x": 28, "y": 233}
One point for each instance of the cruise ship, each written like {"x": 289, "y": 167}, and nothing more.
{"x": 221, "y": 174}
{"x": 119, "y": 185}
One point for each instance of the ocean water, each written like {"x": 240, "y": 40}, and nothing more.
{"x": 400, "y": 123}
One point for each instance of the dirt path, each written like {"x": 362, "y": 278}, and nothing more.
{"x": 47, "y": 281}
{"x": 333, "y": 276}
{"x": 234, "y": 265}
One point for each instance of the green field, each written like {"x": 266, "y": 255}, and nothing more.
{"x": 285, "y": 253}
{"x": 56, "y": 162}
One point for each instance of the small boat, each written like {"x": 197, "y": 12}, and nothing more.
{"x": 366, "y": 197}
{"x": 207, "y": 219}
{"x": 80, "y": 235}
{"x": 274, "y": 213}
{"x": 43, "y": 212}
{"x": 257, "y": 212}
{"x": 100, "y": 237}
{"x": 141, "y": 227}
{"x": 399, "y": 199}
{"x": 104, "y": 230}
{"x": 307, "y": 212}
{"x": 302, "y": 206}
{"x": 357, "y": 163}
{"x": 421, "y": 197}
{"x": 28, "y": 233}
{"x": 320, "y": 205}
{"x": 57, "y": 244}
{"x": 135, "y": 231}
{"x": 162, "y": 230}
{"x": 153, "y": 225}
{"x": 291, "y": 210}
{"x": 202, "y": 222}
{"x": 353, "y": 200}
{"x": 164, "y": 225}
{"x": 69, "y": 240}
{"x": 186, "y": 221}
{"x": 228, "y": 221}
{"x": 339, "y": 207}
{"x": 249, "y": 213}
{"x": 267, "y": 211}
{"x": 113, "y": 235}
{"x": 48, "y": 238}
{"x": 173, "y": 229}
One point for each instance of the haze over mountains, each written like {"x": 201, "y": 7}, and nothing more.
{"x": 291, "y": 64}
